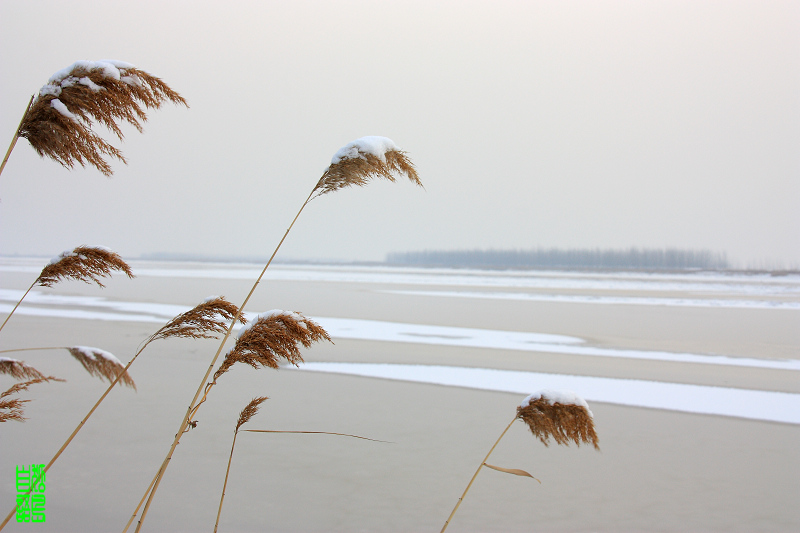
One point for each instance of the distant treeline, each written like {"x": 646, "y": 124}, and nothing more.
{"x": 633, "y": 258}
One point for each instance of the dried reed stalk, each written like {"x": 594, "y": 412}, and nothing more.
{"x": 18, "y": 369}
{"x": 84, "y": 263}
{"x": 58, "y": 122}
{"x": 202, "y": 321}
{"x": 11, "y": 409}
{"x": 564, "y": 416}
{"x": 344, "y": 171}
{"x": 102, "y": 364}
{"x": 247, "y": 413}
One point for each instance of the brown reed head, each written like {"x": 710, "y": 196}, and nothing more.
{"x": 58, "y": 122}
{"x": 11, "y": 408}
{"x": 18, "y": 369}
{"x": 272, "y": 336}
{"x": 84, "y": 263}
{"x": 249, "y": 411}
{"x": 204, "y": 321}
{"x": 561, "y": 415}
{"x": 102, "y": 364}
{"x": 366, "y": 158}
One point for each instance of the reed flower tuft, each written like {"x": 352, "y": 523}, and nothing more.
{"x": 11, "y": 408}
{"x": 356, "y": 163}
{"x": 564, "y": 416}
{"x": 84, "y": 263}
{"x": 271, "y": 336}
{"x": 249, "y": 411}
{"x": 102, "y": 364}
{"x": 58, "y": 121}
{"x": 18, "y": 369}
{"x": 203, "y": 321}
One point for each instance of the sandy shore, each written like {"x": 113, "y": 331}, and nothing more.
{"x": 656, "y": 471}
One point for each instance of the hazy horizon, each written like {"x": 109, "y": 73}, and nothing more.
{"x": 573, "y": 125}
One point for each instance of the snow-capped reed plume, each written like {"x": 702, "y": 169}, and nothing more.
{"x": 18, "y": 369}
{"x": 355, "y": 164}
{"x": 102, "y": 364}
{"x": 58, "y": 120}
{"x": 564, "y": 416}
{"x": 11, "y": 408}
{"x": 247, "y": 413}
{"x": 272, "y": 336}
{"x": 84, "y": 263}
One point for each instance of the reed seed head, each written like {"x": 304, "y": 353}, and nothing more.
{"x": 102, "y": 364}
{"x": 563, "y": 416}
{"x": 249, "y": 411}
{"x": 204, "y": 321}
{"x": 356, "y": 163}
{"x": 84, "y": 263}
{"x": 18, "y": 369}
{"x": 271, "y": 336}
{"x": 58, "y": 122}
{"x": 11, "y": 408}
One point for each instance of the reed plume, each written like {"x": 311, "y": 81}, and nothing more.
{"x": 272, "y": 336}
{"x": 381, "y": 158}
{"x": 58, "y": 121}
{"x": 18, "y": 369}
{"x": 102, "y": 364}
{"x": 84, "y": 263}
{"x": 356, "y": 163}
{"x": 564, "y": 416}
{"x": 11, "y": 408}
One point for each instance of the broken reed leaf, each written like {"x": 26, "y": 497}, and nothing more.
{"x": 11, "y": 409}
{"x": 249, "y": 411}
{"x": 564, "y": 416}
{"x": 203, "y": 321}
{"x": 84, "y": 263}
{"x": 18, "y": 369}
{"x": 356, "y": 163}
{"x": 58, "y": 122}
{"x": 515, "y": 471}
{"x": 271, "y": 336}
{"x": 102, "y": 364}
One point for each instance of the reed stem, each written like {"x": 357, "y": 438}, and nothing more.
{"x": 185, "y": 423}
{"x": 475, "y": 475}
{"x": 20, "y": 300}
{"x": 16, "y": 136}
{"x": 224, "y": 485}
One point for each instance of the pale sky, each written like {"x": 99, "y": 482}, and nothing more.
{"x": 605, "y": 124}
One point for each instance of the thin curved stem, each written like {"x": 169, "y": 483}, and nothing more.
{"x": 186, "y": 419}
{"x": 16, "y": 136}
{"x": 224, "y": 485}
{"x": 476, "y": 475}
{"x": 15, "y": 307}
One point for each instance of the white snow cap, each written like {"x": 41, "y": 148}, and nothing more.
{"x": 93, "y": 353}
{"x": 111, "y": 68}
{"x": 562, "y": 397}
{"x": 59, "y": 106}
{"x": 9, "y": 360}
{"x": 269, "y": 314}
{"x": 371, "y": 145}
